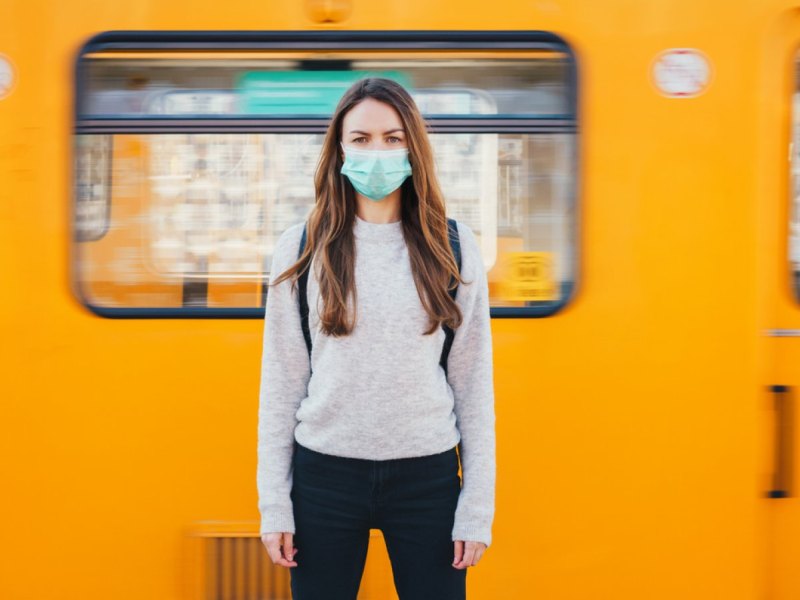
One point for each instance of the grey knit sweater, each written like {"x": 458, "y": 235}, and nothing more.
{"x": 380, "y": 392}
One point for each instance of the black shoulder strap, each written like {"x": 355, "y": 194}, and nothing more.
{"x": 302, "y": 285}
{"x": 449, "y": 334}
{"x": 455, "y": 245}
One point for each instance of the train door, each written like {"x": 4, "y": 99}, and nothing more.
{"x": 783, "y": 386}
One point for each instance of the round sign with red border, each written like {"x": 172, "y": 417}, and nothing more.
{"x": 681, "y": 72}
{"x": 6, "y": 76}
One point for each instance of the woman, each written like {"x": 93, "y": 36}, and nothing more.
{"x": 366, "y": 429}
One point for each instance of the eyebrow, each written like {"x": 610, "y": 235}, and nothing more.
{"x": 384, "y": 133}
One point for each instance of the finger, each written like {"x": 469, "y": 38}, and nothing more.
{"x": 458, "y": 551}
{"x": 288, "y": 546}
{"x": 282, "y": 562}
{"x": 285, "y": 555}
{"x": 466, "y": 560}
{"x": 478, "y": 555}
{"x": 274, "y": 551}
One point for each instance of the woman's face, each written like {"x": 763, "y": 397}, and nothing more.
{"x": 373, "y": 125}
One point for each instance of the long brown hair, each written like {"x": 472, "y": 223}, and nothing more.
{"x": 330, "y": 224}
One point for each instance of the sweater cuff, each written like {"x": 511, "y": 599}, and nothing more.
{"x": 473, "y": 532}
{"x": 277, "y": 519}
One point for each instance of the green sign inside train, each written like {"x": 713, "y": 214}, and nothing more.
{"x": 300, "y": 92}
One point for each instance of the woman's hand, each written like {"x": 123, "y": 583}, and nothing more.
{"x": 467, "y": 556}
{"x": 274, "y": 542}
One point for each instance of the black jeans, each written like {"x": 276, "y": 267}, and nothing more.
{"x": 412, "y": 501}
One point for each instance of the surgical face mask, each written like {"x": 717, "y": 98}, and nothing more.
{"x": 376, "y": 173}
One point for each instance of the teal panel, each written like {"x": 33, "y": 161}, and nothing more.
{"x": 301, "y": 93}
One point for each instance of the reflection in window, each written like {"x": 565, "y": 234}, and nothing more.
{"x": 93, "y": 170}
{"x": 510, "y": 86}
{"x": 212, "y": 206}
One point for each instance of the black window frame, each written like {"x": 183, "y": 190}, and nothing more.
{"x": 432, "y": 40}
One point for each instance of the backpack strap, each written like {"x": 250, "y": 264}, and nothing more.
{"x": 449, "y": 334}
{"x": 302, "y": 284}
{"x": 455, "y": 246}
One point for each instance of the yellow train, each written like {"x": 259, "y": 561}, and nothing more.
{"x": 630, "y": 169}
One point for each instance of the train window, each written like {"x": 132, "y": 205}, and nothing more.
{"x": 794, "y": 221}
{"x": 193, "y": 155}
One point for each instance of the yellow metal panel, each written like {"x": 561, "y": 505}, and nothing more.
{"x": 633, "y": 430}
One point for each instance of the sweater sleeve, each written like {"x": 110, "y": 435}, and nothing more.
{"x": 285, "y": 372}
{"x": 470, "y": 373}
